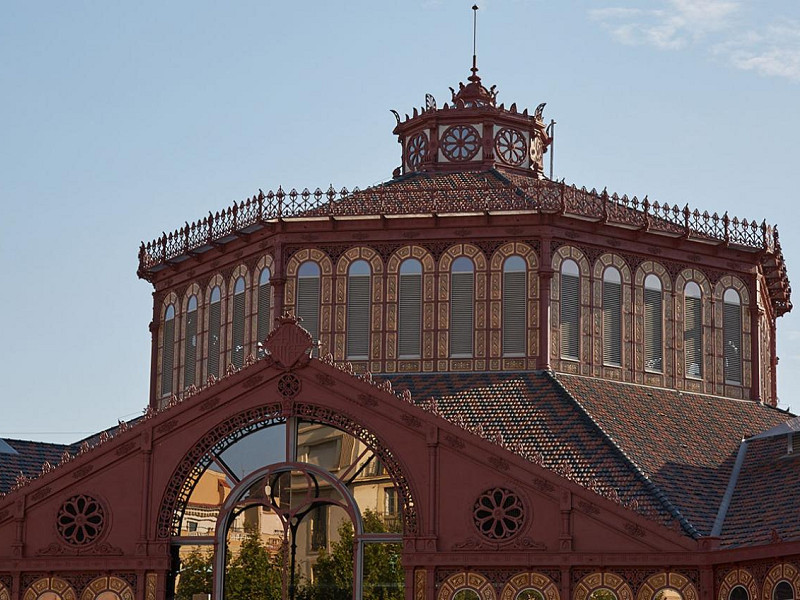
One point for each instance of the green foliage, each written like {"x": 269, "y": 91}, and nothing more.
{"x": 333, "y": 571}
{"x": 603, "y": 594}
{"x": 253, "y": 574}
{"x": 196, "y": 575}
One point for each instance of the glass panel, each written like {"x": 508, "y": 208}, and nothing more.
{"x": 739, "y": 593}
{"x": 529, "y": 594}
{"x": 254, "y": 567}
{"x": 570, "y": 267}
{"x": 783, "y": 591}
{"x": 732, "y": 297}
{"x": 195, "y": 572}
{"x": 263, "y": 447}
{"x": 327, "y": 574}
{"x": 359, "y": 267}
{"x": 603, "y": 594}
{"x": 411, "y": 266}
{"x": 612, "y": 275}
{"x": 238, "y": 287}
{"x": 263, "y": 279}
{"x": 668, "y": 594}
{"x": 692, "y": 290}
{"x": 514, "y": 264}
{"x": 205, "y": 501}
{"x": 383, "y": 572}
{"x": 308, "y": 269}
{"x": 466, "y": 594}
{"x": 652, "y": 282}
{"x": 462, "y": 265}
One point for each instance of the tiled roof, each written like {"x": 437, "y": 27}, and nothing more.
{"x": 535, "y": 415}
{"x": 28, "y": 460}
{"x": 685, "y": 443}
{"x": 672, "y": 452}
{"x": 765, "y": 502}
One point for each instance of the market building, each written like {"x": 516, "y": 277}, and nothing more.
{"x": 512, "y": 387}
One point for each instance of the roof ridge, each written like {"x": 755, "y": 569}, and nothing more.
{"x": 656, "y": 491}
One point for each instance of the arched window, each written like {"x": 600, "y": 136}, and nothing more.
{"x": 514, "y": 305}
{"x": 732, "y": 335}
{"x": 214, "y": 322}
{"x": 358, "y": 310}
{"x": 783, "y": 591}
{"x": 308, "y": 297}
{"x": 168, "y": 352}
{"x": 570, "y": 317}
{"x": 190, "y": 342}
{"x": 262, "y": 317}
{"x": 693, "y": 330}
{"x": 739, "y": 593}
{"x": 409, "y": 311}
{"x": 653, "y": 325}
{"x": 237, "y": 337}
{"x": 462, "y": 294}
{"x": 612, "y": 317}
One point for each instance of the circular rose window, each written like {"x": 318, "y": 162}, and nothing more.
{"x": 510, "y": 146}
{"x": 80, "y": 520}
{"x": 461, "y": 142}
{"x": 417, "y": 150}
{"x": 498, "y": 514}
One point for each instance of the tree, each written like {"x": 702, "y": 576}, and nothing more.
{"x": 253, "y": 574}
{"x": 195, "y": 575}
{"x": 333, "y": 571}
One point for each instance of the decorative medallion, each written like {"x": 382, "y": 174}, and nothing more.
{"x": 289, "y": 385}
{"x": 510, "y": 146}
{"x": 461, "y": 142}
{"x": 498, "y": 514}
{"x": 80, "y": 520}
{"x": 417, "y": 150}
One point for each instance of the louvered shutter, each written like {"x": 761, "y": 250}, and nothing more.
{"x": 308, "y": 304}
{"x": 237, "y": 339}
{"x": 190, "y": 352}
{"x": 358, "y": 316}
{"x": 653, "y": 331}
{"x": 263, "y": 324}
{"x": 570, "y": 316}
{"x": 168, "y": 356}
{"x": 612, "y": 323}
{"x": 732, "y": 340}
{"x": 462, "y": 287}
{"x": 693, "y": 337}
{"x": 410, "y": 316}
{"x": 514, "y": 304}
{"x": 214, "y": 317}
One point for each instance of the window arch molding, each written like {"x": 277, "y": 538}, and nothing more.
{"x": 682, "y": 281}
{"x": 530, "y": 580}
{"x": 237, "y": 315}
{"x": 613, "y": 265}
{"x": 602, "y": 580}
{"x": 781, "y": 572}
{"x": 168, "y": 352}
{"x": 325, "y": 265}
{"x": 257, "y": 326}
{"x": 189, "y": 327}
{"x": 562, "y": 254}
{"x": 480, "y": 267}
{"x": 213, "y": 315}
{"x": 496, "y": 270}
{"x": 645, "y": 271}
{"x": 428, "y": 298}
{"x": 343, "y": 265}
{"x": 722, "y": 292}
{"x": 667, "y": 580}
{"x": 56, "y": 585}
{"x": 108, "y": 584}
{"x": 466, "y": 580}
{"x": 738, "y": 577}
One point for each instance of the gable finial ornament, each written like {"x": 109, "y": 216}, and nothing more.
{"x": 289, "y": 344}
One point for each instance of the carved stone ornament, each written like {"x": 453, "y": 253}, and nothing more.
{"x": 498, "y": 514}
{"x": 80, "y": 520}
{"x": 289, "y": 344}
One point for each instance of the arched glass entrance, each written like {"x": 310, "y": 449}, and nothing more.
{"x": 296, "y": 509}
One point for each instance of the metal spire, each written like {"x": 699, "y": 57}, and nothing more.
{"x": 474, "y": 76}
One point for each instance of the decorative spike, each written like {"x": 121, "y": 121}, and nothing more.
{"x": 46, "y": 467}
{"x": 513, "y": 107}
{"x": 65, "y": 457}
{"x": 415, "y": 114}
{"x": 85, "y": 447}
{"x": 104, "y": 437}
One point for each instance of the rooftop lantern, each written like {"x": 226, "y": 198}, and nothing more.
{"x": 473, "y": 133}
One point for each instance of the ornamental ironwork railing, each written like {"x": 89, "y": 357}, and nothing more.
{"x": 400, "y": 198}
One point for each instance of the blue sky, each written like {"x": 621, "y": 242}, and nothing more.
{"x": 123, "y": 120}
